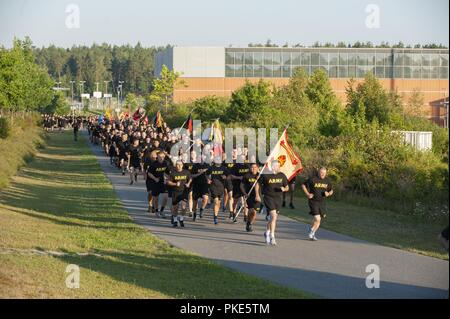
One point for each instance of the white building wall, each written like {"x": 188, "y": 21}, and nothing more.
{"x": 195, "y": 62}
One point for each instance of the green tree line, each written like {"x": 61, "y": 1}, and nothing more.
{"x": 99, "y": 63}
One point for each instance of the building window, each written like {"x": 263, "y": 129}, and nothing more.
{"x": 343, "y": 59}
{"x": 258, "y": 71}
{"x": 444, "y": 72}
{"x": 286, "y": 71}
{"x": 415, "y": 72}
{"x": 239, "y": 71}
{"x": 361, "y": 59}
{"x": 229, "y": 70}
{"x": 267, "y": 71}
{"x": 425, "y": 60}
{"x": 248, "y": 58}
{"x": 229, "y": 58}
{"x": 296, "y": 58}
{"x": 425, "y": 72}
{"x": 276, "y": 58}
{"x": 314, "y": 59}
{"x": 334, "y": 58}
{"x": 277, "y": 71}
{"x": 268, "y": 58}
{"x": 323, "y": 58}
{"x": 343, "y": 72}
{"x": 257, "y": 58}
{"x": 379, "y": 59}
{"x": 379, "y": 72}
{"x": 306, "y": 58}
{"x": 333, "y": 71}
{"x": 248, "y": 71}
{"x": 286, "y": 58}
{"x": 407, "y": 74}
{"x": 239, "y": 58}
{"x": 398, "y": 72}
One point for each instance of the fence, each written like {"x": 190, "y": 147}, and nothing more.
{"x": 422, "y": 141}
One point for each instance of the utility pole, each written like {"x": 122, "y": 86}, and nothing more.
{"x": 106, "y": 92}
{"x": 121, "y": 92}
{"x": 81, "y": 92}
{"x": 96, "y": 84}
{"x": 72, "y": 105}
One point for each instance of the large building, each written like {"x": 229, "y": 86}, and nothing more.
{"x": 219, "y": 71}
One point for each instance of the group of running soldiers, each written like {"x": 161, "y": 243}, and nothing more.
{"x": 194, "y": 181}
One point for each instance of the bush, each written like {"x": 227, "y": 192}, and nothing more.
{"x": 5, "y": 127}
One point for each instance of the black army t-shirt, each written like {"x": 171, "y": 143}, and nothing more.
{"x": 317, "y": 186}
{"x": 158, "y": 169}
{"x": 217, "y": 173}
{"x": 248, "y": 180}
{"x": 271, "y": 184}
{"x": 182, "y": 177}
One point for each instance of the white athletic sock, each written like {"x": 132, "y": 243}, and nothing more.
{"x": 267, "y": 233}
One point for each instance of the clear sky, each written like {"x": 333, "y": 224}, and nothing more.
{"x": 224, "y": 22}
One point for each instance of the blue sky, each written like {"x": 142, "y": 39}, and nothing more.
{"x": 223, "y": 23}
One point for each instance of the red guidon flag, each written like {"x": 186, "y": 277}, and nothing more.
{"x": 290, "y": 163}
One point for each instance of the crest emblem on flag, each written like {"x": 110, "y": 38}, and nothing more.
{"x": 282, "y": 160}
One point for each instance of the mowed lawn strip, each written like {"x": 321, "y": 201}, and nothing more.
{"x": 62, "y": 210}
{"x": 410, "y": 233}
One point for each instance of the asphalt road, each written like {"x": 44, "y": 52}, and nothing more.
{"x": 333, "y": 267}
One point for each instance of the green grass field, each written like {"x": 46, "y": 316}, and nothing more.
{"x": 61, "y": 206}
{"x": 375, "y": 225}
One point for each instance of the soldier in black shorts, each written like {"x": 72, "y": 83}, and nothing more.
{"x": 134, "y": 155}
{"x": 253, "y": 199}
{"x": 149, "y": 182}
{"x": 228, "y": 196}
{"x": 273, "y": 185}
{"x": 189, "y": 165}
{"x": 179, "y": 180}
{"x": 317, "y": 188}
{"x": 239, "y": 170}
{"x": 217, "y": 180}
{"x": 199, "y": 187}
{"x": 122, "y": 148}
{"x": 156, "y": 172}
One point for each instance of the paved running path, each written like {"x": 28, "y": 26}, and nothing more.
{"x": 333, "y": 267}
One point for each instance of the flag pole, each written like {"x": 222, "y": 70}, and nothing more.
{"x": 260, "y": 171}
{"x": 185, "y": 121}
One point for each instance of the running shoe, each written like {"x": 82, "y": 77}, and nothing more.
{"x": 267, "y": 237}
{"x": 181, "y": 223}
{"x": 131, "y": 183}
{"x": 273, "y": 242}
{"x": 175, "y": 224}
{"x": 216, "y": 221}
{"x": 249, "y": 227}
